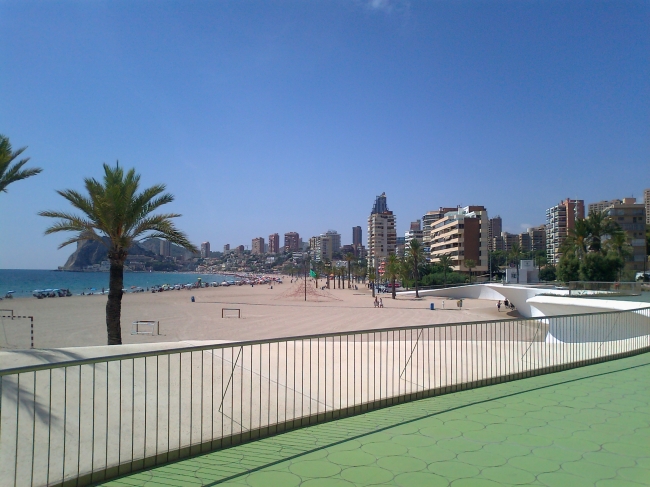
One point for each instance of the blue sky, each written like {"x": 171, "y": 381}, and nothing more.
{"x": 266, "y": 117}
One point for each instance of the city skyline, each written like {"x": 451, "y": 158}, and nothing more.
{"x": 316, "y": 108}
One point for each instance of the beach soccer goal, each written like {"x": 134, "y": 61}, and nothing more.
{"x": 16, "y": 332}
{"x": 230, "y": 313}
{"x": 145, "y": 328}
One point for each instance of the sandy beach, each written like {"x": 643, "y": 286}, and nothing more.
{"x": 265, "y": 313}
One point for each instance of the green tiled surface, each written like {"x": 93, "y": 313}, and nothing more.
{"x": 588, "y": 426}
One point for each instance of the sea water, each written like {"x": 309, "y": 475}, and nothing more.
{"x": 24, "y": 282}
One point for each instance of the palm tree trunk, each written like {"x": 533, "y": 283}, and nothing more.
{"x": 415, "y": 275}
{"x": 394, "y": 287}
{"x": 114, "y": 303}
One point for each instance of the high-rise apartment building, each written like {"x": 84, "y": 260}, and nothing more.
{"x": 646, "y": 203}
{"x": 356, "y": 236}
{"x": 321, "y": 248}
{"x": 205, "y": 250}
{"x": 537, "y": 236}
{"x": 274, "y": 243}
{"x": 414, "y": 232}
{"x": 291, "y": 242}
{"x": 504, "y": 242}
{"x": 165, "y": 248}
{"x": 257, "y": 247}
{"x": 428, "y": 219}
{"x": 336, "y": 240}
{"x": 226, "y": 248}
{"x": 631, "y": 217}
{"x": 602, "y": 206}
{"x": 382, "y": 236}
{"x": 463, "y": 235}
{"x": 532, "y": 239}
{"x": 559, "y": 220}
{"x": 495, "y": 227}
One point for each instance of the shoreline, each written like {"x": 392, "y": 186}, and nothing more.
{"x": 266, "y": 312}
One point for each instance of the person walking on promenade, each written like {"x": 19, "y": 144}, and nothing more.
{"x": 381, "y": 303}
{"x": 376, "y": 302}
{"x": 499, "y": 306}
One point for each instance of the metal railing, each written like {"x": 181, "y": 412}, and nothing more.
{"x": 84, "y": 421}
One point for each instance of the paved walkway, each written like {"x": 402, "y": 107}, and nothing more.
{"x": 588, "y": 426}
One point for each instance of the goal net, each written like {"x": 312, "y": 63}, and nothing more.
{"x": 16, "y": 332}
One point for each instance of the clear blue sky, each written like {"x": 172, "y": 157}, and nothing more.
{"x": 266, "y": 116}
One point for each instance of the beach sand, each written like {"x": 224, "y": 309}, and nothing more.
{"x": 265, "y": 313}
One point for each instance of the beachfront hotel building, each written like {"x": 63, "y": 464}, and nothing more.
{"x": 646, "y": 203}
{"x": 205, "y": 250}
{"x": 226, "y": 248}
{"x": 274, "y": 243}
{"x": 382, "y": 235}
{"x": 631, "y": 217}
{"x": 292, "y": 242}
{"x": 257, "y": 247}
{"x": 559, "y": 220}
{"x": 462, "y": 234}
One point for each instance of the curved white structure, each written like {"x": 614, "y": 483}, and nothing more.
{"x": 471, "y": 291}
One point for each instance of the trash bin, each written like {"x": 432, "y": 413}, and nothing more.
{"x": 433, "y": 306}
{"x": 192, "y": 298}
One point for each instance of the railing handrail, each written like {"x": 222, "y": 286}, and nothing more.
{"x": 217, "y": 346}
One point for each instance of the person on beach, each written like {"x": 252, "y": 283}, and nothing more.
{"x": 507, "y": 304}
{"x": 499, "y": 306}
{"x": 381, "y": 303}
{"x": 376, "y": 302}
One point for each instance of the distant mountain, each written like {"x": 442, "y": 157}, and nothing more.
{"x": 90, "y": 252}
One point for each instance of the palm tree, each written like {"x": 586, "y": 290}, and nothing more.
{"x": 14, "y": 173}
{"x": 415, "y": 258}
{"x": 116, "y": 215}
{"x": 392, "y": 271}
{"x": 349, "y": 257}
{"x": 599, "y": 224}
{"x": 470, "y": 264}
{"x": 515, "y": 254}
{"x": 372, "y": 274}
{"x": 577, "y": 240}
{"x": 445, "y": 261}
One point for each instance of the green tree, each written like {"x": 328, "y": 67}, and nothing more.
{"x": 392, "y": 271}
{"x": 547, "y": 273}
{"x": 470, "y": 264}
{"x": 415, "y": 259}
{"x": 445, "y": 262}
{"x": 568, "y": 269}
{"x": 11, "y": 173}
{"x": 116, "y": 215}
{"x": 597, "y": 266}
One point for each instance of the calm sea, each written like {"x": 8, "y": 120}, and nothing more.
{"x": 23, "y": 282}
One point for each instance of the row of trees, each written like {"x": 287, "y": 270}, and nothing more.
{"x": 113, "y": 208}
